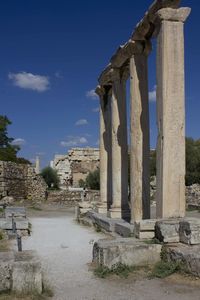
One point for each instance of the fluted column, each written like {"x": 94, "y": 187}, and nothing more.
{"x": 139, "y": 129}
{"x": 170, "y": 196}
{"x": 119, "y": 146}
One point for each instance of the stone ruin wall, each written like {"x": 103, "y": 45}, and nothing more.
{"x": 21, "y": 182}
{"x": 69, "y": 198}
{"x": 76, "y": 165}
{"x": 193, "y": 196}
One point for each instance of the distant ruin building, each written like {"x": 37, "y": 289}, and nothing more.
{"x": 75, "y": 165}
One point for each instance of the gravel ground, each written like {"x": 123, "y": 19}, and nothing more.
{"x": 65, "y": 249}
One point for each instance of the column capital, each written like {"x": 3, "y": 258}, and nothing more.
{"x": 100, "y": 91}
{"x": 173, "y": 15}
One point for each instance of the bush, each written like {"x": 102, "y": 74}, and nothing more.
{"x": 51, "y": 177}
{"x": 93, "y": 180}
{"x": 192, "y": 161}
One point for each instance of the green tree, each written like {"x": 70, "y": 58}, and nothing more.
{"x": 92, "y": 181}
{"x": 192, "y": 161}
{"x": 8, "y": 152}
{"x": 51, "y": 177}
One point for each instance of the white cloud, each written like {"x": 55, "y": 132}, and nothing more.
{"x": 30, "y": 81}
{"x": 81, "y": 122}
{"x": 91, "y": 94}
{"x": 152, "y": 94}
{"x": 96, "y": 109}
{"x": 73, "y": 141}
{"x": 97, "y": 142}
{"x": 18, "y": 142}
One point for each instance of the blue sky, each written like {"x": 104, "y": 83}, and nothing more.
{"x": 51, "y": 54}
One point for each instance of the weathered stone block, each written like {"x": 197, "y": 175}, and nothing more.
{"x": 145, "y": 229}
{"x": 27, "y": 273}
{"x": 6, "y": 224}
{"x": 167, "y": 231}
{"x": 17, "y": 212}
{"x": 188, "y": 255}
{"x": 6, "y": 262}
{"x": 102, "y": 221}
{"x": 190, "y": 231}
{"x": 124, "y": 229}
{"x": 127, "y": 251}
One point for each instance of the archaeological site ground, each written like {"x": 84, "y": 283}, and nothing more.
{"x": 116, "y": 216}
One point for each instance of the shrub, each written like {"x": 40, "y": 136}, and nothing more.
{"x": 92, "y": 181}
{"x": 51, "y": 177}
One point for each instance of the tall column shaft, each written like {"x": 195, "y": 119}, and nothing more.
{"x": 171, "y": 113}
{"x": 119, "y": 147}
{"x": 103, "y": 152}
{"x": 139, "y": 134}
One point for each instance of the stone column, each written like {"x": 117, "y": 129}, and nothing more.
{"x": 170, "y": 194}
{"x": 37, "y": 165}
{"x": 119, "y": 147}
{"x": 139, "y": 134}
{"x": 103, "y": 153}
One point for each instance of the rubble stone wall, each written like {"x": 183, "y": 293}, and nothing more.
{"x": 70, "y": 198}
{"x": 21, "y": 182}
{"x": 76, "y": 165}
{"x": 193, "y": 196}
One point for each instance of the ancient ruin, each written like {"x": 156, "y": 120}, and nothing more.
{"x": 21, "y": 182}
{"x": 75, "y": 165}
{"x": 164, "y": 20}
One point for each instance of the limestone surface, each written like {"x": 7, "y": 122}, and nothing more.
{"x": 167, "y": 231}
{"x": 128, "y": 251}
{"x": 190, "y": 231}
{"x": 27, "y": 273}
{"x": 188, "y": 255}
{"x": 6, "y": 261}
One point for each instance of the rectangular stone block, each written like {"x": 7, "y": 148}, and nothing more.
{"x": 27, "y": 273}
{"x": 6, "y": 224}
{"x": 190, "y": 231}
{"x": 167, "y": 231}
{"x": 124, "y": 229}
{"x": 18, "y": 212}
{"x": 128, "y": 251}
{"x": 103, "y": 222}
{"x": 145, "y": 229}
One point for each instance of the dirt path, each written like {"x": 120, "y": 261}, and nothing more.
{"x": 65, "y": 249}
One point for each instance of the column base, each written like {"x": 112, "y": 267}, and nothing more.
{"x": 101, "y": 208}
{"x": 115, "y": 213}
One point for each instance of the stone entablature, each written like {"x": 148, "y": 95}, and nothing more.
{"x": 76, "y": 165}
{"x": 21, "y": 182}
